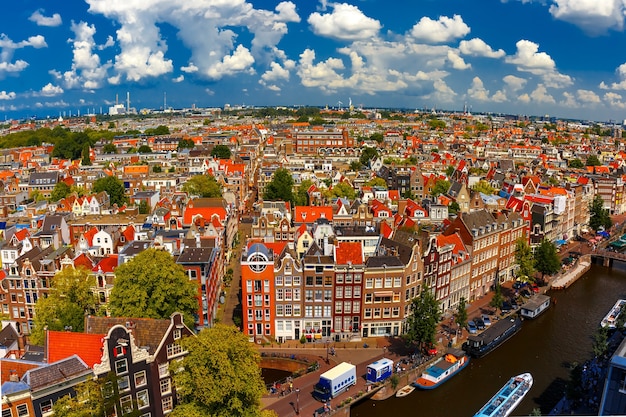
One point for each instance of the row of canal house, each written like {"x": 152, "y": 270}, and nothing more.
{"x": 338, "y": 288}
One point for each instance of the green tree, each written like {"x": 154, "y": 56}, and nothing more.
{"x": 454, "y": 208}
{"x": 144, "y": 208}
{"x": 436, "y": 124}
{"x": 157, "y": 169}
{"x": 221, "y": 152}
{"x": 203, "y": 186}
{"x": 355, "y": 166}
{"x": 547, "y": 259}
{"x": 340, "y": 190}
{"x": 220, "y": 376}
{"x": 153, "y": 285}
{"x": 113, "y": 187}
{"x": 601, "y": 342}
{"x": 576, "y": 163}
{"x": 498, "y": 298}
{"x": 280, "y": 188}
{"x": 67, "y": 303}
{"x": 450, "y": 170}
{"x": 144, "y": 149}
{"x": 423, "y": 319}
{"x": 159, "y": 130}
{"x": 186, "y": 144}
{"x": 36, "y": 195}
{"x": 441, "y": 187}
{"x": 378, "y": 137}
{"x": 86, "y": 158}
{"x": 525, "y": 260}
{"x": 592, "y": 160}
{"x": 301, "y": 197}
{"x": 376, "y": 182}
{"x": 88, "y": 401}
{"x": 460, "y": 318}
{"x": 484, "y": 187}
{"x": 109, "y": 148}
{"x": 60, "y": 190}
{"x": 598, "y": 215}
{"x": 367, "y": 154}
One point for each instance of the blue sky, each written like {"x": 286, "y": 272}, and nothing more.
{"x": 564, "y": 58}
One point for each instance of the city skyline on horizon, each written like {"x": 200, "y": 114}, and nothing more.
{"x": 77, "y": 56}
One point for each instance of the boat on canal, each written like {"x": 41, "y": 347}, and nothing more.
{"x": 508, "y": 397}
{"x": 479, "y": 345}
{"x": 536, "y": 305}
{"x": 405, "y": 390}
{"x": 443, "y": 369}
{"x": 610, "y": 320}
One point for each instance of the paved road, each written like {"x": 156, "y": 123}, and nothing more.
{"x": 233, "y": 293}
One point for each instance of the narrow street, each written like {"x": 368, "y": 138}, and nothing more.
{"x": 232, "y": 304}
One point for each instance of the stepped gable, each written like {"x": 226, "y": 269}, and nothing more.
{"x": 148, "y": 333}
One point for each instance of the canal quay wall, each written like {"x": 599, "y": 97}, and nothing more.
{"x": 567, "y": 278}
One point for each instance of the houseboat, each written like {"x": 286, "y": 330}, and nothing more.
{"x": 536, "y": 305}
{"x": 444, "y": 368}
{"x": 610, "y": 320}
{"x": 478, "y": 345}
{"x": 510, "y": 395}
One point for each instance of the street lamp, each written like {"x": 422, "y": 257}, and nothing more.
{"x": 298, "y": 401}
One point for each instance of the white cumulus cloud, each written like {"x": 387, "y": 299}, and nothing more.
{"x": 541, "y": 95}
{"x": 614, "y": 100}
{"x": 456, "y": 61}
{"x": 206, "y": 27}
{"x": 41, "y": 20}
{"x": 478, "y": 91}
{"x": 593, "y": 16}
{"x": 8, "y": 47}
{"x": 514, "y": 83}
{"x": 478, "y": 47}
{"x": 179, "y": 79}
{"x": 50, "y": 90}
{"x": 7, "y": 96}
{"x": 621, "y": 84}
{"x": 529, "y": 59}
{"x": 443, "y": 30}
{"x": 346, "y": 22}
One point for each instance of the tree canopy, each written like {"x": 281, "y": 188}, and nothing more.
{"x": 113, "y": 187}
{"x": 109, "y": 148}
{"x": 525, "y": 260}
{"x": 576, "y": 163}
{"x": 88, "y": 401}
{"x": 497, "y": 299}
{"x": 546, "y": 258}
{"x": 144, "y": 149}
{"x": 484, "y": 187}
{"x": 301, "y": 196}
{"x": 441, "y": 187}
{"x": 65, "y": 307}
{"x": 185, "y": 144}
{"x": 153, "y": 285}
{"x": 460, "y": 318}
{"x": 592, "y": 160}
{"x": 367, "y": 154}
{"x": 220, "y": 376}
{"x": 598, "y": 215}
{"x": 60, "y": 190}
{"x": 280, "y": 188}
{"x": 423, "y": 319}
{"x": 341, "y": 189}
{"x": 202, "y": 186}
{"x": 221, "y": 152}
{"x": 159, "y": 130}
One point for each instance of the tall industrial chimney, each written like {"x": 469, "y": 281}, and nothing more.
{"x": 127, "y": 102}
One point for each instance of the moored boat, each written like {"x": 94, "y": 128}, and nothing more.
{"x": 444, "y": 368}
{"x": 405, "y": 390}
{"x": 478, "y": 345}
{"x": 610, "y": 320}
{"x": 508, "y": 397}
{"x": 536, "y": 305}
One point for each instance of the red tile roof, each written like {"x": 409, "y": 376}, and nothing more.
{"x": 62, "y": 345}
{"x": 349, "y": 253}
{"x": 107, "y": 264}
{"x": 309, "y": 214}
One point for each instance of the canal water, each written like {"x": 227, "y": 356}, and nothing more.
{"x": 546, "y": 347}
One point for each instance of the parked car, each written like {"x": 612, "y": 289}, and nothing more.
{"x": 535, "y": 288}
{"x": 471, "y": 327}
{"x": 525, "y": 293}
{"x": 486, "y": 320}
{"x": 513, "y": 304}
{"x": 506, "y": 307}
{"x": 480, "y": 324}
{"x": 519, "y": 285}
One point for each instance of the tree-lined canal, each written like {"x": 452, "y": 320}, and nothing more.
{"x": 545, "y": 347}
